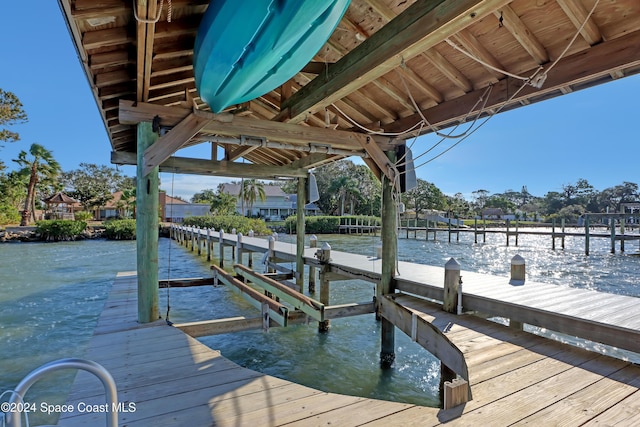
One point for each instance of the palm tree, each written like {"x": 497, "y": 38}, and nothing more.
{"x": 41, "y": 167}
{"x": 347, "y": 190}
{"x": 250, "y": 190}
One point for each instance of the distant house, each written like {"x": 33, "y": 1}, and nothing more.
{"x": 309, "y": 208}
{"x": 492, "y": 213}
{"x": 114, "y": 208}
{"x": 277, "y": 204}
{"x": 176, "y": 210}
{"x": 170, "y": 208}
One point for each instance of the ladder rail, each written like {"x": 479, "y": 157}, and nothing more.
{"x": 15, "y": 419}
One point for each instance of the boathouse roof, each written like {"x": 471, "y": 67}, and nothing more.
{"x": 390, "y": 70}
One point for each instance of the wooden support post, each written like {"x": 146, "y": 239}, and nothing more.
{"x": 508, "y": 224}
{"x": 221, "y": 246}
{"x": 389, "y": 257}
{"x": 562, "y": 224}
{"x": 300, "y": 231}
{"x": 449, "y": 228}
{"x": 475, "y": 230}
{"x": 208, "y": 243}
{"x": 553, "y": 234}
{"x": 198, "y": 237}
{"x": 517, "y": 270}
{"x": 233, "y": 251}
{"x": 622, "y": 234}
{"x": 586, "y": 234}
{"x": 147, "y": 229}
{"x": 325, "y": 287}
{"x": 456, "y": 392}
{"x": 517, "y": 232}
{"x": 313, "y": 243}
{"x": 447, "y": 375}
{"x": 612, "y": 224}
{"x": 272, "y": 246}
{"x": 239, "y": 248}
{"x": 451, "y": 283}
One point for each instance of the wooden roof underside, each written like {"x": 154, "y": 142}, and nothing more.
{"x": 455, "y": 60}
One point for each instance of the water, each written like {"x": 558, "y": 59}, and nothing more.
{"x": 51, "y": 295}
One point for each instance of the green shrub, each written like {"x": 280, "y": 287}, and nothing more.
{"x": 83, "y": 216}
{"x": 120, "y": 229}
{"x": 57, "y": 230}
{"x": 229, "y": 222}
{"x": 328, "y": 224}
{"x": 9, "y": 215}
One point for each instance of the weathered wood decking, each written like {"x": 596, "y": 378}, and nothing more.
{"x": 601, "y": 317}
{"x": 175, "y": 380}
{"x": 516, "y": 378}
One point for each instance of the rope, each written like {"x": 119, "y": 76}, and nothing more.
{"x": 374, "y": 132}
{"x": 158, "y": 14}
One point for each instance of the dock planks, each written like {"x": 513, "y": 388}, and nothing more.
{"x": 516, "y": 377}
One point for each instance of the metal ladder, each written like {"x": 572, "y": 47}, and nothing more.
{"x": 14, "y": 419}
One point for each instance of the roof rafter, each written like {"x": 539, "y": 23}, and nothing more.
{"x": 418, "y": 28}
{"x": 603, "y": 60}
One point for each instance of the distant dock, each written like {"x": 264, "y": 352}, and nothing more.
{"x": 512, "y": 232}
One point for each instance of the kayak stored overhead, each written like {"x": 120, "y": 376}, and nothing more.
{"x": 246, "y": 49}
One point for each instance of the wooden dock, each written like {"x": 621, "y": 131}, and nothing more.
{"x": 515, "y": 377}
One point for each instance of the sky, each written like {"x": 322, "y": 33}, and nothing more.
{"x": 591, "y": 134}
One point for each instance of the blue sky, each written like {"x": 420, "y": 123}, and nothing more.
{"x": 589, "y": 134}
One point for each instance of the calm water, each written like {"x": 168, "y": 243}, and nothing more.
{"x": 51, "y": 294}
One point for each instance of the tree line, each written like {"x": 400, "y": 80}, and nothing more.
{"x": 345, "y": 188}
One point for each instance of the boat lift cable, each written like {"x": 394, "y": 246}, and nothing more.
{"x": 536, "y": 80}
{"x": 470, "y": 133}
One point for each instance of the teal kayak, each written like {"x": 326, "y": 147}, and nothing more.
{"x": 245, "y": 49}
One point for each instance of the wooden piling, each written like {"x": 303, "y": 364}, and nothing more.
{"x": 586, "y": 234}
{"x": 239, "y": 248}
{"x": 300, "y": 231}
{"x": 389, "y": 256}
{"x": 517, "y": 270}
{"x": 612, "y": 226}
{"x": 147, "y": 223}
{"x": 451, "y": 283}
{"x": 221, "y": 246}
{"x": 313, "y": 243}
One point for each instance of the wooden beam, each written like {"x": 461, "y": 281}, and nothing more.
{"x": 580, "y": 68}
{"x": 141, "y": 35}
{"x": 172, "y": 141}
{"x": 512, "y": 22}
{"x": 239, "y": 152}
{"x": 186, "y": 282}
{"x": 311, "y": 161}
{"x": 230, "y": 125}
{"x": 191, "y": 166}
{"x": 382, "y": 162}
{"x": 418, "y": 28}
{"x": 237, "y": 324}
{"x": 424, "y": 333}
{"x": 278, "y": 312}
{"x": 473, "y": 46}
{"x": 292, "y": 297}
{"x": 446, "y": 68}
{"x": 577, "y": 13}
